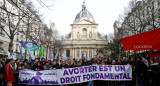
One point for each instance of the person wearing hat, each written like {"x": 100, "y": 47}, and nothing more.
{"x": 63, "y": 64}
{"x": 9, "y": 72}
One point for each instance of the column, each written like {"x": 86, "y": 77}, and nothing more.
{"x": 88, "y": 54}
{"x": 80, "y": 54}
{"x": 72, "y": 53}
{"x": 95, "y": 53}
{"x": 92, "y": 52}
{"x": 75, "y": 53}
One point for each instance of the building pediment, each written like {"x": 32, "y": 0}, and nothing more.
{"x": 84, "y": 21}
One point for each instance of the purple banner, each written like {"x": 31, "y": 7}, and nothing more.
{"x": 76, "y": 75}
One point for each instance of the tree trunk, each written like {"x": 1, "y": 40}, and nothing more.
{"x": 46, "y": 52}
{"x": 10, "y": 49}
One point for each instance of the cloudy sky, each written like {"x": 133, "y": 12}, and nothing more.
{"x": 63, "y": 13}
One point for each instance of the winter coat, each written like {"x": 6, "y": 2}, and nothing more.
{"x": 61, "y": 66}
{"x": 9, "y": 73}
{"x": 141, "y": 68}
{"x": 36, "y": 67}
{"x": 155, "y": 71}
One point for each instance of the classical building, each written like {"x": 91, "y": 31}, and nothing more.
{"x": 84, "y": 38}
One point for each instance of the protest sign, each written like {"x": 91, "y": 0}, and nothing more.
{"x": 76, "y": 75}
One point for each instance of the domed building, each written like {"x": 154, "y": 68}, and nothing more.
{"x": 84, "y": 38}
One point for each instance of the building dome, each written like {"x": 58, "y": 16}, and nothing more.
{"x": 84, "y": 14}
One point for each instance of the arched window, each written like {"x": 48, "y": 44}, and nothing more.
{"x": 68, "y": 53}
{"x": 84, "y": 32}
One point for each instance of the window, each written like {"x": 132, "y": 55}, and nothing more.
{"x": 84, "y": 32}
{"x": 90, "y": 34}
{"x": 90, "y": 54}
{"x": 68, "y": 53}
{"x": 77, "y": 53}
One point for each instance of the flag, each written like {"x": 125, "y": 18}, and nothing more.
{"x": 84, "y": 56}
{"x": 56, "y": 54}
{"x": 9, "y": 55}
{"x": 14, "y": 57}
{"x": 22, "y": 56}
{"x": 64, "y": 55}
{"x": 41, "y": 51}
{"x": 31, "y": 54}
{"x": 30, "y": 45}
{"x": 50, "y": 58}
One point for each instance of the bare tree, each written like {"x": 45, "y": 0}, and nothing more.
{"x": 13, "y": 19}
{"x": 143, "y": 16}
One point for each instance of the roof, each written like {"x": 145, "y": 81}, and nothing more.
{"x": 84, "y": 14}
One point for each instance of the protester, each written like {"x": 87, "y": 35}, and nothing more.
{"x": 154, "y": 73}
{"x": 113, "y": 62}
{"x": 1, "y": 72}
{"x": 140, "y": 70}
{"x": 119, "y": 62}
{"x": 75, "y": 64}
{"x": 9, "y": 72}
{"x": 47, "y": 66}
{"x": 140, "y": 73}
{"x": 70, "y": 63}
{"x": 26, "y": 65}
{"x": 133, "y": 63}
{"x": 37, "y": 66}
{"x": 63, "y": 64}
{"x": 55, "y": 64}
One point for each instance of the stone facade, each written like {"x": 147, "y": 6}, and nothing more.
{"x": 84, "y": 37}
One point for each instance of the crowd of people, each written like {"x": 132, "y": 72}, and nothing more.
{"x": 145, "y": 71}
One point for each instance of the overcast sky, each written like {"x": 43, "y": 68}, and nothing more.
{"x": 63, "y": 13}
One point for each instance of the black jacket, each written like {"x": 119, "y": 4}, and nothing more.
{"x": 155, "y": 71}
{"x": 35, "y": 66}
{"x": 141, "y": 68}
